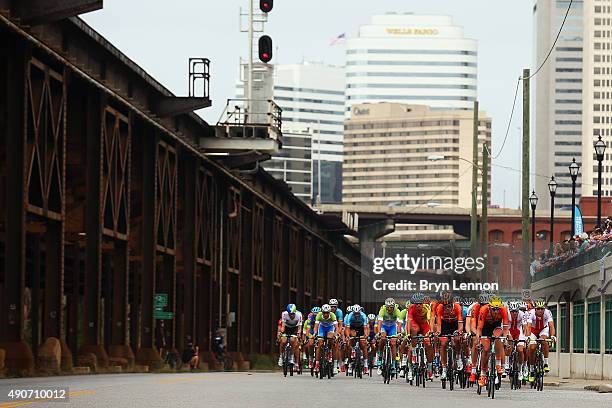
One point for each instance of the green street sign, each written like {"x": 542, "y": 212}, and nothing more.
{"x": 163, "y": 315}
{"x": 160, "y": 300}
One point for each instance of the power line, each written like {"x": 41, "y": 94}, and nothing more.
{"x": 518, "y": 83}
{"x": 531, "y": 76}
{"x": 554, "y": 43}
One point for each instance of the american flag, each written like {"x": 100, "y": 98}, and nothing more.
{"x": 340, "y": 39}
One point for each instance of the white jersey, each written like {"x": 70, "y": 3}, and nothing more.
{"x": 539, "y": 323}
{"x": 289, "y": 322}
{"x": 521, "y": 321}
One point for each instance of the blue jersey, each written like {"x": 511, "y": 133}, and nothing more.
{"x": 339, "y": 314}
{"x": 356, "y": 319}
{"x": 464, "y": 311}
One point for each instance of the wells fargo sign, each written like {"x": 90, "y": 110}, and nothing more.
{"x": 413, "y": 31}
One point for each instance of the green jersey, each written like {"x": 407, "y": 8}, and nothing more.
{"x": 330, "y": 321}
{"x": 389, "y": 318}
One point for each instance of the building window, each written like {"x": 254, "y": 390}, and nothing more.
{"x": 594, "y": 317}
{"x": 553, "y": 311}
{"x": 564, "y": 335}
{"x": 496, "y": 236}
{"x": 578, "y": 328}
{"x": 608, "y": 345}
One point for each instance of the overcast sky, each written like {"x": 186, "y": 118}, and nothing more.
{"x": 160, "y": 36}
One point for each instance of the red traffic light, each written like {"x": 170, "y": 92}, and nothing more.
{"x": 266, "y": 5}
{"x": 265, "y": 48}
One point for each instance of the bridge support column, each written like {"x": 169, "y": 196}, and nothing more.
{"x": 147, "y": 354}
{"x": 92, "y": 341}
{"x": 19, "y": 358}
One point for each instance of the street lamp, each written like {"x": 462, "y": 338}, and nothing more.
{"x": 533, "y": 200}
{"x": 600, "y": 148}
{"x": 552, "y": 187}
{"x": 574, "y": 168}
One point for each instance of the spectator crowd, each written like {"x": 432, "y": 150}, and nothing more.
{"x": 577, "y": 250}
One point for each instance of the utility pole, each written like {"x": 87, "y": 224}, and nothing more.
{"x": 484, "y": 224}
{"x": 474, "y": 211}
{"x": 525, "y": 181}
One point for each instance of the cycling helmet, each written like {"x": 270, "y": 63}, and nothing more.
{"x": 326, "y": 308}
{"x": 496, "y": 302}
{"x": 356, "y": 308}
{"x": 291, "y": 308}
{"x": 540, "y": 303}
{"x": 371, "y": 316}
{"x": 457, "y": 299}
{"x": 445, "y": 297}
{"x": 316, "y": 309}
{"x": 389, "y": 302}
{"x": 350, "y": 309}
{"x": 408, "y": 303}
{"x": 333, "y": 302}
{"x": 514, "y": 306}
{"x": 483, "y": 298}
{"x": 417, "y": 298}
{"x": 523, "y": 305}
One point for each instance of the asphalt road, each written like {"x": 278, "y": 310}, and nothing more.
{"x": 272, "y": 390}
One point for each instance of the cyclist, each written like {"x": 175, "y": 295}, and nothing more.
{"x": 492, "y": 321}
{"x": 540, "y": 325}
{"x": 345, "y": 349}
{"x": 357, "y": 326}
{"x": 389, "y": 322}
{"x": 517, "y": 321}
{"x": 449, "y": 323}
{"x": 471, "y": 327}
{"x": 335, "y": 309}
{"x": 418, "y": 323}
{"x": 326, "y": 325}
{"x": 404, "y": 341}
{"x": 308, "y": 330}
{"x": 372, "y": 330}
{"x": 291, "y": 320}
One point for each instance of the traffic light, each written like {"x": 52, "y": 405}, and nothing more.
{"x": 265, "y": 48}
{"x": 266, "y": 5}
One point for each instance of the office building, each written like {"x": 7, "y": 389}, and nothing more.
{"x": 414, "y": 59}
{"x": 398, "y": 154}
{"x": 312, "y": 95}
{"x": 558, "y": 106}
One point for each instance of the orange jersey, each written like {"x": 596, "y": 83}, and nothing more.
{"x": 485, "y": 315}
{"x": 449, "y": 314}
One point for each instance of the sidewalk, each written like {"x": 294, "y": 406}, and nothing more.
{"x": 578, "y": 384}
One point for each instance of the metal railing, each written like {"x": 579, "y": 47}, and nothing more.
{"x": 574, "y": 260}
{"x": 199, "y": 73}
{"x": 252, "y": 113}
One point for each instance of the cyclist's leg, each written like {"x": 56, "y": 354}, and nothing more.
{"x": 457, "y": 345}
{"x": 296, "y": 348}
{"x": 499, "y": 349}
{"x": 443, "y": 351}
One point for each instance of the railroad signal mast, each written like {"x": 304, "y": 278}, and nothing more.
{"x": 255, "y": 25}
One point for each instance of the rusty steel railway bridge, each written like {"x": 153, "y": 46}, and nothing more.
{"x": 108, "y": 197}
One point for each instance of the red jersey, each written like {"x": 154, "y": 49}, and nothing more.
{"x": 418, "y": 315}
